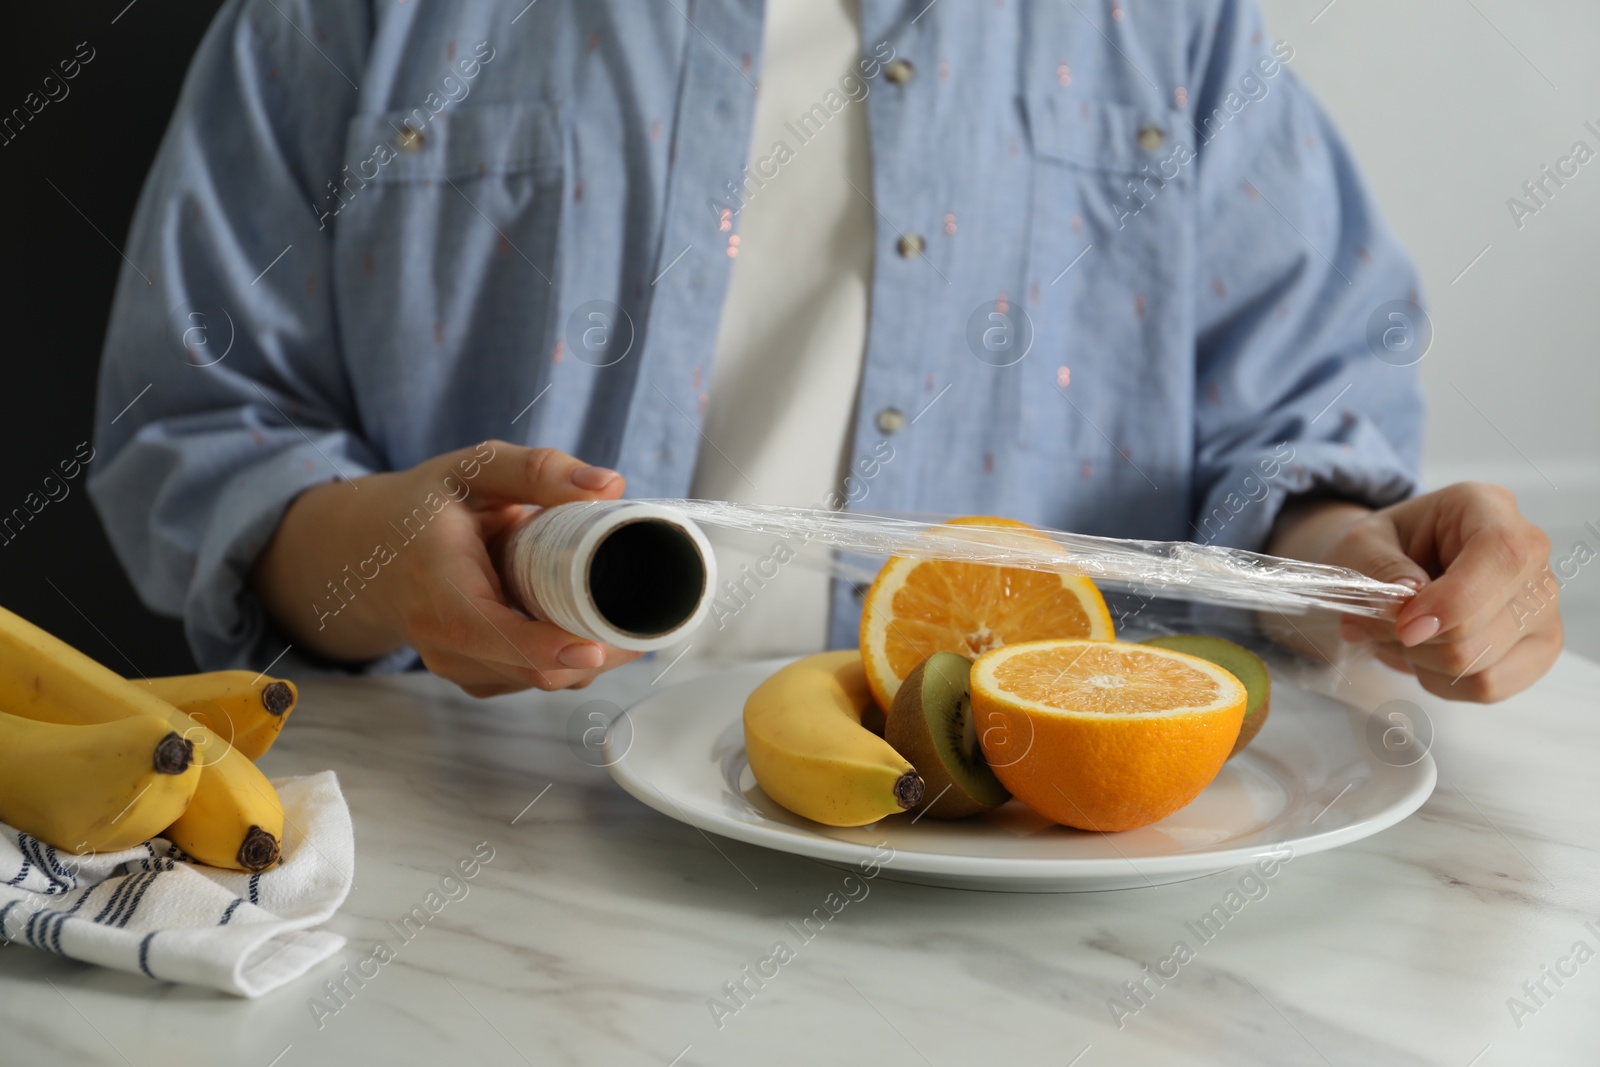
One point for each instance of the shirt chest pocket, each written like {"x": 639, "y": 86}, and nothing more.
{"x": 1110, "y": 184}
{"x": 445, "y": 241}
{"x": 1109, "y": 254}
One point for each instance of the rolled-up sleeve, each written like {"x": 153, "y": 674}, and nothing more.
{"x": 1308, "y": 317}
{"x": 222, "y": 391}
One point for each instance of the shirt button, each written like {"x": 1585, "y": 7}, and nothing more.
{"x": 899, "y": 72}
{"x": 910, "y": 245}
{"x": 1150, "y": 137}
{"x": 890, "y": 420}
{"x": 409, "y": 140}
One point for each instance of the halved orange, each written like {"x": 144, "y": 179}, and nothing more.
{"x": 917, "y": 607}
{"x": 1103, "y": 735}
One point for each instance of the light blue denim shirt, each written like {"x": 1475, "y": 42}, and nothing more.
{"x": 1126, "y": 280}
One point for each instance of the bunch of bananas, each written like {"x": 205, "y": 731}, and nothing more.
{"x": 93, "y": 762}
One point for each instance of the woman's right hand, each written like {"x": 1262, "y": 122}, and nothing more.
{"x": 358, "y": 569}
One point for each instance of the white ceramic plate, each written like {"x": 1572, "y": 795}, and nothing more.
{"x": 1319, "y": 775}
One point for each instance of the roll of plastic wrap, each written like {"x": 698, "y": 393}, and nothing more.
{"x": 639, "y": 574}
{"x": 628, "y": 574}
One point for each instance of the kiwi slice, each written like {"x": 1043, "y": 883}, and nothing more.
{"x": 1237, "y": 661}
{"x": 930, "y": 724}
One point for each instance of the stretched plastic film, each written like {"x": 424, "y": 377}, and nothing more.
{"x": 1178, "y": 570}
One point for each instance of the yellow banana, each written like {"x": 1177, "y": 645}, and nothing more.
{"x": 243, "y": 708}
{"x": 809, "y": 751}
{"x": 234, "y": 819}
{"x": 94, "y": 788}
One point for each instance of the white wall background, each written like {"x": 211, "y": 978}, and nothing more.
{"x": 1450, "y": 105}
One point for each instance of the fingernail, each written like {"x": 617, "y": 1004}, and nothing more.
{"x": 583, "y": 656}
{"x": 1419, "y": 630}
{"x": 593, "y": 478}
{"x": 1410, "y": 582}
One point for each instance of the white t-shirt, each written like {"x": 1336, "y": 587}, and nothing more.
{"x": 783, "y": 383}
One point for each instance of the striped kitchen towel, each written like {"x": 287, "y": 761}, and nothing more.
{"x": 155, "y": 911}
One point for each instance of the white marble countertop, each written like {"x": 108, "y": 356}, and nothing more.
{"x": 600, "y": 929}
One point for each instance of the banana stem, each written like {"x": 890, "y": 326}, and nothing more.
{"x": 173, "y": 754}
{"x": 259, "y": 850}
{"x": 908, "y": 790}
{"x": 277, "y": 697}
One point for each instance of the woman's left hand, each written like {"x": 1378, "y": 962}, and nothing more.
{"x": 1484, "y": 623}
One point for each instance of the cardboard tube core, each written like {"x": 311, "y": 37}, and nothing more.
{"x": 647, "y": 577}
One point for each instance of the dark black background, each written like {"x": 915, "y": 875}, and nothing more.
{"x": 95, "y": 145}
